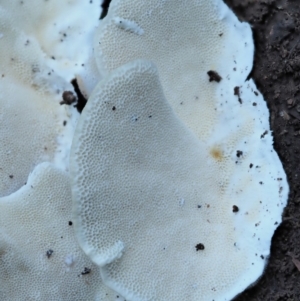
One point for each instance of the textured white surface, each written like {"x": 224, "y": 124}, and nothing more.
{"x": 141, "y": 178}
{"x": 185, "y": 39}
{"x": 63, "y": 29}
{"x": 44, "y": 44}
{"x": 34, "y": 220}
{"x": 30, "y": 119}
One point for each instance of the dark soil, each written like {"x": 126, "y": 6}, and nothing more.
{"x": 276, "y": 71}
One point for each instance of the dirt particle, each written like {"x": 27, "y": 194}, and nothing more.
{"x": 86, "y": 271}
{"x": 68, "y": 98}
{"x": 199, "y": 247}
{"x": 239, "y": 153}
{"x": 214, "y": 76}
{"x": 49, "y": 253}
{"x": 263, "y": 134}
{"x": 236, "y": 91}
{"x": 235, "y": 208}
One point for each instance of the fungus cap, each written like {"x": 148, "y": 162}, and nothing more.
{"x": 40, "y": 257}
{"x": 31, "y": 118}
{"x": 156, "y": 208}
{"x": 185, "y": 39}
{"x": 64, "y": 31}
{"x": 34, "y": 127}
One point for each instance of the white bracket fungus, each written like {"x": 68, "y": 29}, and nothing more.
{"x": 165, "y": 198}
{"x": 128, "y": 25}
{"x": 64, "y": 31}
{"x": 40, "y": 257}
{"x": 172, "y": 169}
{"x": 185, "y": 39}
{"x": 43, "y": 45}
{"x": 133, "y": 161}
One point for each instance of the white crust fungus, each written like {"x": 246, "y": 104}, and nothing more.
{"x": 64, "y": 31}
{"x": 44, "y": 45}
{"x": 39, "y": 256}
{"x": 30, "y": 119}
{"x": 185, "y": 39}
{"x": 177, "y": 189}
{"x": 193, "y": 221}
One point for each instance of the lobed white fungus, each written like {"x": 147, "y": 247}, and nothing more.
{"x": 166, "y": 216}
{"x": 30, "y": 120}
{"x": 64, "y": 31}
{"x": 39, "y": 255}
{"x": 160, "y": 200}
{"x": 185, "y": 39}
{"x": 44, "y": 45}
{"x": 163, "y": 190}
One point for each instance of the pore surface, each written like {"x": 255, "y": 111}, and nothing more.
{"x": 41, "y": 51}
{"x": 185, "y": 39}
{"x": 39, "y": 255}
{"x": 158, "y": 209}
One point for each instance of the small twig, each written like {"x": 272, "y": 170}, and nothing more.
{"x": 294, "y": 260}
{"x": 287, "y": 218}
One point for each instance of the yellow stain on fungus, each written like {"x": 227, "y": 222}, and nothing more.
{"x": 216, "y": 153}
